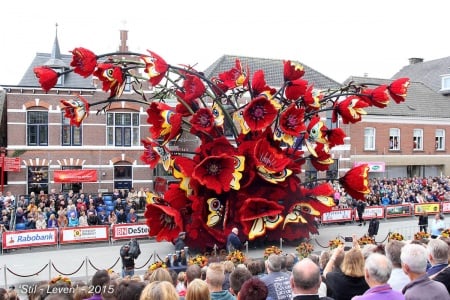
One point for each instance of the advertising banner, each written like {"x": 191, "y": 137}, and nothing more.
{"x": 431, "y": 208}
{"x": 400, "y": 210}
{"x": 129, "y": 231}
{"x": 67, "y": 176}
{"x": 83, "y": 234}
{"x": 446, "y": 207}
{"x": 339, "y": 215}
{"x": 378, "y": 167}
{"x": 370, "y": 211}
{"x": 29, "y": 238}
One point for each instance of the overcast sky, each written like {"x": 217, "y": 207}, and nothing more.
{"x": 337, "y": 38}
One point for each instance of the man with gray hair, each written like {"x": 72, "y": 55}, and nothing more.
{"x": 306, "y": 280}
{"x": 377, "y": 270}
{"x": 414, "y": 264}
{"x": 277, "y": 282}
{"x": 437, "y": 256}
{"x": 398, "y": 278}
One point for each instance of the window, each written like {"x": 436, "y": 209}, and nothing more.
{"x": 418, "y": 139}
{"x": 37, "y": 128}
{"x": 394, "y": 139}
{"x": 445, "y": 82}
{"x": 70, "y": 135}
{"x": 440, "y": 139}
{"x": 123, "y": 177}
{"x": 60, "y": 77}
{"x": 123, "y": 129}
{"x": 369, "y": 138}
{"x": 37, "y": 179}
{"x": 74, "y": 186}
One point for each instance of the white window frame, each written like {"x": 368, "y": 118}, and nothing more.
{"x": 418, "y": 139}
{"x": 369, "y": 138}
{"x": 440, "y": 139}
{"x": 445, "y": 82}
{"x": 394, "y": 139}
{"x": 132, "y": 129}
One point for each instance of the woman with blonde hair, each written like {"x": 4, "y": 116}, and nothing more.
{"x": 160, "y": 274}
{"x": 197, "y": 290}
{"x": 349, "y": 281}
{"x": 159, "y": 290}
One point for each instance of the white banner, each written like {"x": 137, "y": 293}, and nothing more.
{"x": 370, "y": 211}
{"x": 83, "y": 234}
{"x": 445, "y": 207}
{"x": 128, "y": 231}
{"x": 338, "y": 215}
{"x": 29, "y": 238}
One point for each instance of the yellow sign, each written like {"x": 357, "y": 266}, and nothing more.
{"x": 426, "y": 207}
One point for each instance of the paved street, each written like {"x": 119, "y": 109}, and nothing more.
{"x": 81, "y": 261}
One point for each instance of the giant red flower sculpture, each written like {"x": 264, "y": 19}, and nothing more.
{"x": 252, "y": 143}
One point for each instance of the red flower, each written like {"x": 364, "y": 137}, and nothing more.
{"x": 378, "y": 96}
{"x": 271, "y": 162}
{"x": 259, "y": 113}
{"x": 193, "y": 88}
{"x": 150, "y": 155}
{"x": 336, "y": 136}
{"x": 165, "y": 122}
{"x": 164, "y": 222}
{"x": 47, "y": 77}
{"x": 292, "y": 120}
{"x": 350, "y": 110}
{"x": 76, "y": 110}
{"x": 218, "y": 87}
{"x": 112, "y": 78}
{"x": 296, "y": 89}
{"x": 235, "y": 77}
{"x": 312, "y": 99}
{"x": 84, "y": 61}
{"x": 155, "y": 67}
{"x": 202, "y": 121}
{"x": 259, "y": 85}
{"x": 292, "y": 71}
{"x": 322, "y": 158}
{"x": 257, "y": 214}
{"x": 215, "y": 172}
{"x": 398, "y": 89}
{"x": 356, "y": 182}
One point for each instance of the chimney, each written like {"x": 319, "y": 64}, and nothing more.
{"x": 123, "y": 41}
{"x": 415, "y": 60}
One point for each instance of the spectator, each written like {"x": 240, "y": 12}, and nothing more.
{"x": 374, "y": 224}
{"x": 102, "y": 217}
{"x": 437, "y": 256}
{"x": 31, "y": 222}
{"x": 127, "y": 261}
{"x": 305, "y": 280}
{"x": 198, "y": 290}
{"x": 160, "y": 274}
{"x": 99, "y": 283}
{"x": 159, "y": 290}
{"x": 52, "y": 222}
{"x": 277, "y": 282}
{"x": 398, "y": 278}
{"x": 112, "y": 218}
{"x": 121, "y": 217}
{"x": 377, "y": 271}
{"x": 132, "y": 217}
{"x": 92, "y": 219}
{"x": 142, "y": 196}
{"x": 228, "y": 268}
{"x": 20, "y": 216}
{"x": 180, "y": 287}
{"x": 214, "y": 278}
{"x": 129, "y": 290}
{"x": 179, "y": 241}
{"x": 253, "y": 289}
{"x": 360, "y": 207}
{"x": 233, "y": 241}
{"x": 414, "y": 264}
{"x": 41, "y": 223}
{"x": 82, "y": 220}
{"x": 62, "y": 219}
{"x": 350, "y": 281}
{"x": 73, "y": 220}
{"x": 237, "y": 277}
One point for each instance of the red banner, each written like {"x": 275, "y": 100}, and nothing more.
{"x": 75, "y": 176}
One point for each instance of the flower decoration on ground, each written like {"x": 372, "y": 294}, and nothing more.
{"x": 396, "y": 236}
{"x": 237, "y": 257}
{"x": 446, "y": 233}
{"x": 421, "y": 235}
{"x": 253, "y": 140}
{"x": 272, "y": 250}
{"x": 333, "y": 244}
{"x": 304, "y": 249}
{"x": 366, "y": 240}
{"x": 157, "y": 265}
{"x": 199, "y": 260}
{"x": 61, "y": 279}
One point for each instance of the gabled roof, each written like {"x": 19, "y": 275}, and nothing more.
{"x": 421, "y": 101}
{"x": 428, "y": 72}
{"x": 273, "y": 70}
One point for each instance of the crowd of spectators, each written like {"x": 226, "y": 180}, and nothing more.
{"x": 59, "y": 210}
{"x": 391, "y": 270}
{"x": 385, "y": 191}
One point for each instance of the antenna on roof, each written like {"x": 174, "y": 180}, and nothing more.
{"x": 56, "y": 29}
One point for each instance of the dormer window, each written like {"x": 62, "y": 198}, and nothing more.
{"x": 445, "y": 86}
{"x": 61, "y": 77}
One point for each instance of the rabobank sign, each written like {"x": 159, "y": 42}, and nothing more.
{"x": 29, "y": 238}
{"x": 35, "y": 238}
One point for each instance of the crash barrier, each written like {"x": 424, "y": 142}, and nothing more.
{"x": 70, "y": 235}
{"x": 339, "y": 215}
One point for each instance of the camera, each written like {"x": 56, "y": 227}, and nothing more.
{"x": 348, "y": 239}
{"x": 12, "y": 287}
